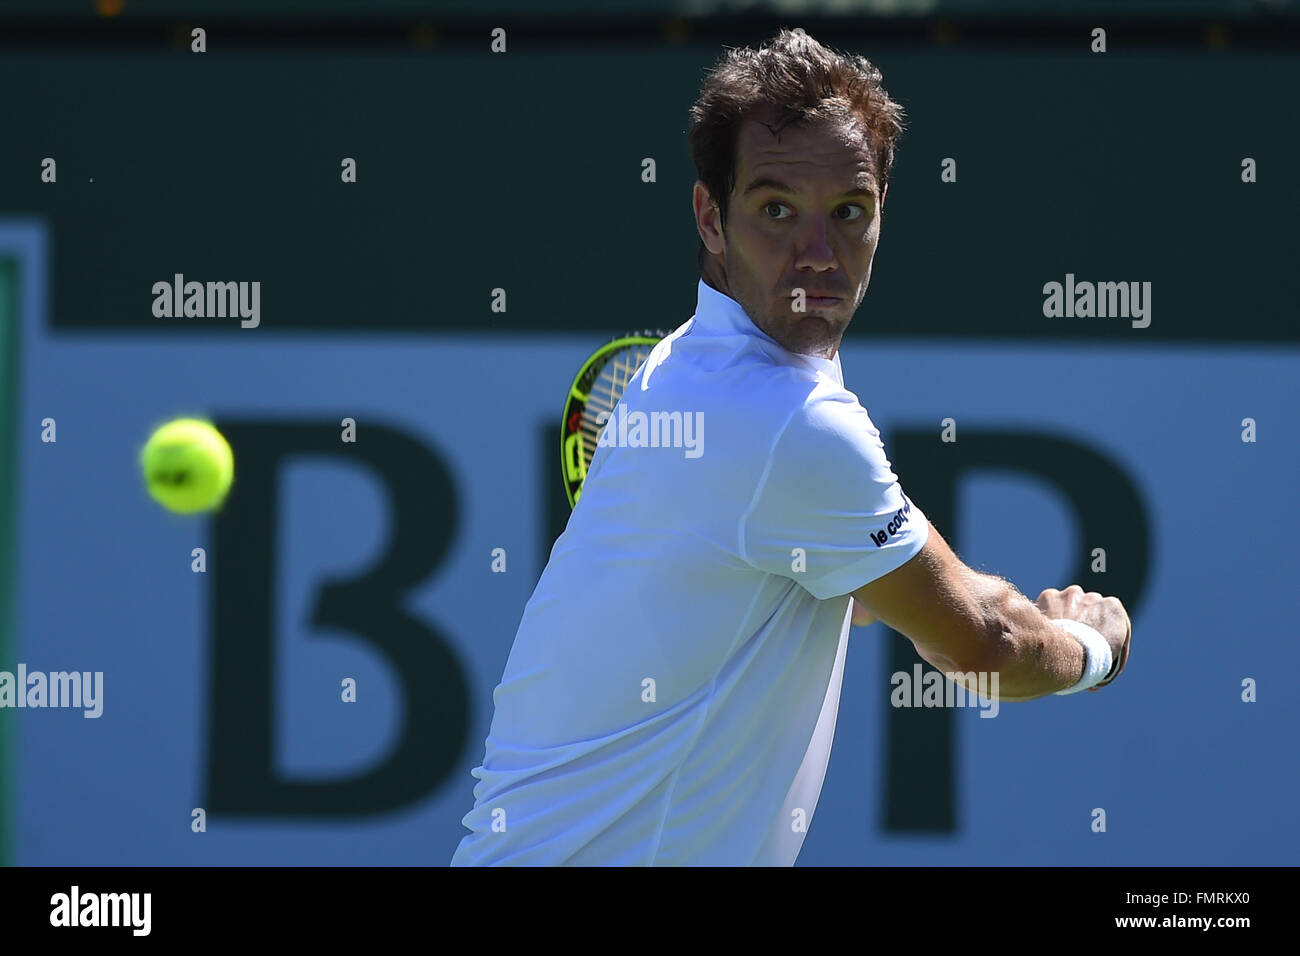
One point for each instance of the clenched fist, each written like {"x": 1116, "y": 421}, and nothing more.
{"x": 1105, "y": 615}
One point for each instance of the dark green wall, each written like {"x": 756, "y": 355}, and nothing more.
{"x": 523, "y": 171}
{"x": 315, "y": 9}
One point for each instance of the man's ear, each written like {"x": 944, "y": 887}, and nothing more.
{"x": 703, "y": 204}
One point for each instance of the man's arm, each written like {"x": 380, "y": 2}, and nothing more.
{"x": 961, "y": 620}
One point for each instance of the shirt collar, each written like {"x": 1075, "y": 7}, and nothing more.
{"x": 720, "y": 314}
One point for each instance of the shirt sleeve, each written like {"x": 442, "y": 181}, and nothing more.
{"x": 829, "y": 512}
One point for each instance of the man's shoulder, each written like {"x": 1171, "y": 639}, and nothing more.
{"x": 759, "y": 376}
{"x": 752, "y": 389}
{"x": 821, "y": 406}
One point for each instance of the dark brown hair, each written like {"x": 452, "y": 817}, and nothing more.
{"x": 792, "y": 79}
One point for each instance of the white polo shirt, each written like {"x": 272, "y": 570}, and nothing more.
{"x": 672, "y": 690}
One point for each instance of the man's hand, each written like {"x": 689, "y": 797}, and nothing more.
{"x": 861, "y": 616}
{"x": 1105, "y": 615}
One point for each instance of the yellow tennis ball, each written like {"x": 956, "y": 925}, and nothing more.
{"x": 188, "y": 466}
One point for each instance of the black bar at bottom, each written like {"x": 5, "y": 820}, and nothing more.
{"x": 976, "y": 905}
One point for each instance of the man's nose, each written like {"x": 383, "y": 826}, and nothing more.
{"x": 815, "y": 245}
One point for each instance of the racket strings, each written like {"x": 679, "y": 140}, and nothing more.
{"x": 606, "y": 390}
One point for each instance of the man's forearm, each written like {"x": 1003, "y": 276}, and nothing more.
{"x": 1031, "y": 656}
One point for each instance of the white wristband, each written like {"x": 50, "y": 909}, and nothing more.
{"x": 1098, "y": 651}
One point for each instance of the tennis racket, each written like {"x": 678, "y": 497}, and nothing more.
{"x": 596, "y": 389}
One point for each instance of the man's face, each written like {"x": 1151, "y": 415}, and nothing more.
{"x": 805, "y": 214}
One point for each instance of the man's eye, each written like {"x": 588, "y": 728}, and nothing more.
{"x": 774, "y": 205}
{"x": 860, "y": 213}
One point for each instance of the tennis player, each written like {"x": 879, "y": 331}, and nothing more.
{"x": 671, "y": 694}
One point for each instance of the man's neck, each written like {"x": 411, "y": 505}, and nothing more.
{"x": 716, "y": 276}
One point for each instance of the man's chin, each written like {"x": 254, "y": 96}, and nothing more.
{"x": 812, "y": 336}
